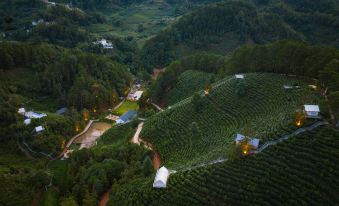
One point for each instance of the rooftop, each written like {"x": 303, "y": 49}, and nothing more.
{"x": 311, "y": 108}
{"x": 128, "y": 115}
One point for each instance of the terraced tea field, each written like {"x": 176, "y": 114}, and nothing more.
{"x": 187, "y": 83}
{"x": 184, "y": 136}
{"x": 300, "y": 171}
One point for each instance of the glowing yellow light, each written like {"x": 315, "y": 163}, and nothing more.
{"x": 299, "y": 123}
{"x": 245, "y": 152}
{"x": 85, "y": 115}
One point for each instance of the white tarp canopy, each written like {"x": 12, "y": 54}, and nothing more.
{"x": 21, "y": 111}
{"x": 161, "y": 178}
{"x": 33, "y": 115}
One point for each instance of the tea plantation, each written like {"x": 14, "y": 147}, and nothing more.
{"x": 188, "y": 134}
{"x": 300, "y": 171}
{"x": 187, "y": 83}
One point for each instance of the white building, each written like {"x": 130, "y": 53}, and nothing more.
{"x": 239, "y": 138}
{"x": 33, "y": 115}
{"x": 239, "y": 76}
{"x": 288, "y": 87}
{"x": 27, "y": 121}
{"x": 51, "y": 3}
{"x": 39, "y": 129}
{"x": 254, "y": 143}
{"x": 106, "y": 44}
{"x": 312, "y": 110}
{"x": 161, "y": 177}
{"x": 21, "y": 111}
{"x": 137, "y": 95}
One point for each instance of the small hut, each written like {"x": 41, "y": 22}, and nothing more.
{"x": 312, "y": 111}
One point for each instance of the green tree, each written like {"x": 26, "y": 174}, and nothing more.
{"x": 240, "y": 89}
{"x": 40, "y": 179}
{"x": 334, "y": 100}
{"x": 69, "y": 201}
{"x": 89, "y": 199}
{"x": 147, "y": 166}
{"x": 197, "y": 102}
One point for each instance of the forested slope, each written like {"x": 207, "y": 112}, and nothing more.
{"x": 44, "y": 78}
{"x": 62, "y": 74}
{"x": 222, "y": 27}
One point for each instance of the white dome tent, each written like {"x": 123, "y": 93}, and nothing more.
{"x": 161, "y": 178}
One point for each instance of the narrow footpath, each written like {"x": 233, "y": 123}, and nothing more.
{"x": 104, "y": 198}
{"x": 157, "y": 107}
{"x": 137, "y": 140}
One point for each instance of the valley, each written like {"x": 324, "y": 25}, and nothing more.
{"x": 166, "y": 102}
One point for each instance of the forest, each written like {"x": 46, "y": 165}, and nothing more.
{"x": 220, "y": 28}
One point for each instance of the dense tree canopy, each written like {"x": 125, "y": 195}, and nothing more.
{"x": 79, "y": 79}
{"x": 223, "y": 27}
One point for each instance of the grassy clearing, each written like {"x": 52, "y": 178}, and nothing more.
{"x": 125, "y": 107}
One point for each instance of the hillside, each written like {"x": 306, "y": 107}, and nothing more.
{"x": 197, "y": 130}
{"x": 304, "y": 166}
{"x": 221, "y": 28}
{"x": 44, "y": 78}
{"x": 187, "y": 83}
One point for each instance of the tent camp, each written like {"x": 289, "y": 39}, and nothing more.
{"x": 33, "y": 115}
{"x": 161, "y": 178}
